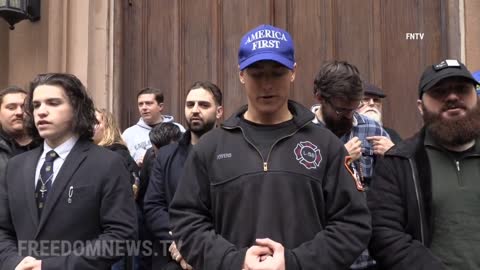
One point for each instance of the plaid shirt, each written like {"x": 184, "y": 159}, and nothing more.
{"x": 363, "y": 127}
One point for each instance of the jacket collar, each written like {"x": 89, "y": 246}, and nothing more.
{"x": 6, "y": 142}
{"x": 409, "y": 147}
{"x": 301, "y": 115}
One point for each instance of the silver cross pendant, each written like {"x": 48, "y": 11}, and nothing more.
{"x": 43, "y": 189}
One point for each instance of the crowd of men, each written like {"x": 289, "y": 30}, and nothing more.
{"x": 275, "y": 186}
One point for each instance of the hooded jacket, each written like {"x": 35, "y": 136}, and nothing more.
{"x": 137, "y": 138}
{"x": 301, "y": 195}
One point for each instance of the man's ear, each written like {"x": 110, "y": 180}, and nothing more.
{"x": 292, "y": 78}
{"x": 419, "y": 106}
{"x": 161, "y": 106}
{"x": 219, "y": 113}
{"x": 241, "y": 75}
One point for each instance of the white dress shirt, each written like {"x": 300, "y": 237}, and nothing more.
{"x": 62, "y": 151}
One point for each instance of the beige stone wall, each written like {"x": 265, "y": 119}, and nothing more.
{"x": 72, "y": 36}
{"x": 472, "y": 34}
{"x": 3, "y": 54}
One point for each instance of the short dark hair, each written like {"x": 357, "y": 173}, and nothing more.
{"x": 211, "y": 87}
{"x": 11, "y": 90}
{"x": 164, "y": 134}
{"x": 150, "y": 90}
{"x": 84, "y": 110}
{"x": 338, "y": 79}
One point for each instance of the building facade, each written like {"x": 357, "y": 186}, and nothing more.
{"x": 117, "y": 47}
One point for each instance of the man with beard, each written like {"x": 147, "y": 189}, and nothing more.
{"x": 203, "y": 108}
{"x": 371, "y": 106}
{"x": 425, "y": 194}
{"x": 14, "y": 139}
{"x": 339, "y": 89}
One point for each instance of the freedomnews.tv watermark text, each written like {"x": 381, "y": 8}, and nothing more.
{"x": 93, "y": 248}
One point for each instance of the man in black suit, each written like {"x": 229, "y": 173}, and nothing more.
{"x": 67, "y": 204}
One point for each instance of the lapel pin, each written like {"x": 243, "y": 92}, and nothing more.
{"x": 70, "y": 194}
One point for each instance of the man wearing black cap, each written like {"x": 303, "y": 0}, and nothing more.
{"x": 270, "y": 189}
{"x": 425, "y": 194}
{"x": 371, "y": 106}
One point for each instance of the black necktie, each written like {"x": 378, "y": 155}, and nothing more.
{"x": 44, "y": 183}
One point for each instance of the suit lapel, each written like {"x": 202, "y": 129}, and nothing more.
{"x": 29, "y": 183}
{"x": 71, "y": 164}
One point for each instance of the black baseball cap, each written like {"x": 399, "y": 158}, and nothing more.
{"x": 373, "y": 90}
{"x": 445, "y": 69}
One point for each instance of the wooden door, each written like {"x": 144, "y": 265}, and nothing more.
{"x": 169, "y": 44}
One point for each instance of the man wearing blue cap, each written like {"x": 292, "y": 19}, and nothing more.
{"x": 270, "y": 189}
{"x": 425, "y": 193}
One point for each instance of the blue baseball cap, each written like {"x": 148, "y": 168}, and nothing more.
{"x": 266, "y": 42}
{"x": 476, "y": 75}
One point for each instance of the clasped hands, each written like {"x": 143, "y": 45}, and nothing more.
{"x": 266, "y": 254}
{"x": 29, "y": 263}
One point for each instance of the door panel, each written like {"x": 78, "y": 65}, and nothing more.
{"x": 170, "y": 44}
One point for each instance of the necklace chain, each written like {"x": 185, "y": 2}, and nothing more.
{"x": 48, "y": 179}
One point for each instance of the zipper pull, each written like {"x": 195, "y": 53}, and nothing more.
{"x": 458, "y": 165}
{"x": 265, "y": 166}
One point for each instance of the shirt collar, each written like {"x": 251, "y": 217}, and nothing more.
{"x": 63, "y": 149}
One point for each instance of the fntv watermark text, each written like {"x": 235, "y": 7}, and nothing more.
{"x": 414, "y": 36}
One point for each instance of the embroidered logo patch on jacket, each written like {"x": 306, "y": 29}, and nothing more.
{"x": 308, "y": 155}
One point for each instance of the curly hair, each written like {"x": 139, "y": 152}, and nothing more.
{"x": 338, "y": 79}
{"x": 84, "y": 110}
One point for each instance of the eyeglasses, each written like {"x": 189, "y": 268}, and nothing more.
{"x": 367, "y": 100}
{"x": 342, "y": 111}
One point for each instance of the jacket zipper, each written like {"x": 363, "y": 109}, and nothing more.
{"x": 459, "y": 175}
{"x": 265, "y": 165}
{"x": 419, "y": 203}
{"x": 265, "y": 162}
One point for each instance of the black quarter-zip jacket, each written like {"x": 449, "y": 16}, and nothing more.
{"x": 301, "y": 196}
{"x": 400, "y": 200}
